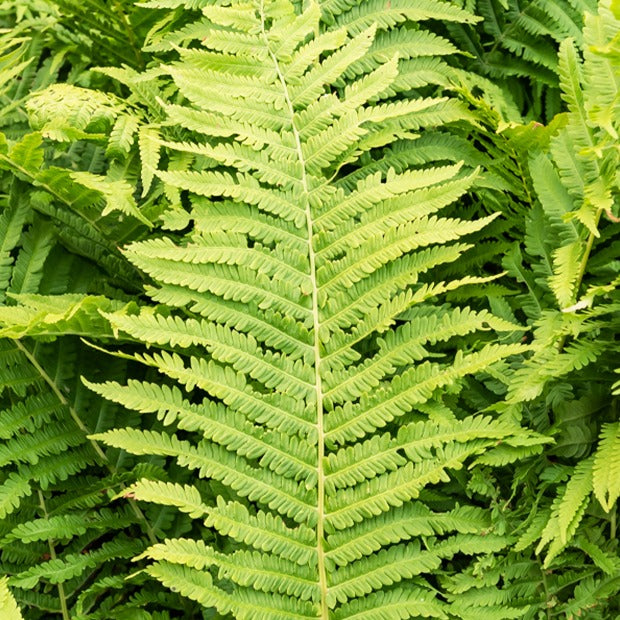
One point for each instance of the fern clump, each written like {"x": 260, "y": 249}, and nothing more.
{"x": 304, "y": 312}
{"x": 302, "y": 365}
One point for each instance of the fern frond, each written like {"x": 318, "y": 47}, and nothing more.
{"x": 567, "y": 511}
{"x": 246, "y": 604}
{"x": 309, "y": 241}
{"x": 62, "y": 108}
{"x": 393, "y": 489}
{"x": 60, "y": 570}
{"x": 566, "y": 261}
{"x": 282, "y": 495}
{"x": 43, "y": 315}
{"x": 349, "y": 466}
{"x": 259, "y": 571}
{"x": 411, "y": 520}
{"x": 37, "y": 243}
{"x": 387, "y": 567}
{"x": 402, "y": 603}
{"x": 66, "y": 526}
{"x": 605, "y": 475}
{"x": 186, "y": 498}
{"x": 412, "y": 387}
{"x": 12, "y": 491}
{"x": 117, "y": 194}
{"x": 267, "y": 326}
{"x": 577, "y": 489}
{"x": 355, "y": 16}
{"x": 264, "y": 531}
{"x": 282, "y": 453}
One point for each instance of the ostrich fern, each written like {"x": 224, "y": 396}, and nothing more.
{"x": 305, "y": 391}
{"x": 298, "y": 370}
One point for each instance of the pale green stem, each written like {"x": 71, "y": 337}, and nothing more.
{"x": 61, "y": 588}
{"x": 545, "y": 588}
{"x": 320, "y": 528}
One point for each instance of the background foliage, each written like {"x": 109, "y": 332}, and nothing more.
{"x": 156, "y": 426}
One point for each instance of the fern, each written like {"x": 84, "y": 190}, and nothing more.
{"x": 517, "y": 46}
{"x": 604, "y": 478}
{"x": 59, "y": 538}
{"x": 8, "y": 605}
{"x": 320, "y": 450}
{"x": 554, "y": 389}
{"x": 305, "y": 388}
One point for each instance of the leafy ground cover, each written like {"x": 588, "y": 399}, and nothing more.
{"x": 309, "y": 309}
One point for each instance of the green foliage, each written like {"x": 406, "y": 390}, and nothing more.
{"x": 305, "y": 313}
{"x": 8, "y": 605}
{"x": 516, "y": 45}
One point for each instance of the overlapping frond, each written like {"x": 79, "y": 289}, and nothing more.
{"x": 605, "y": 467}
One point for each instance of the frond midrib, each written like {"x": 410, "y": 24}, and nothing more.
{"x": 321, "y": 562}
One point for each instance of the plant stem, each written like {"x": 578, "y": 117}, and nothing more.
{"x": 130, "y": 34}
{"x": 545, "y": 588}
{"x": 584, "y": 259}
{"x": 61, "y": 588}
{"x": 316, "y": 328}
